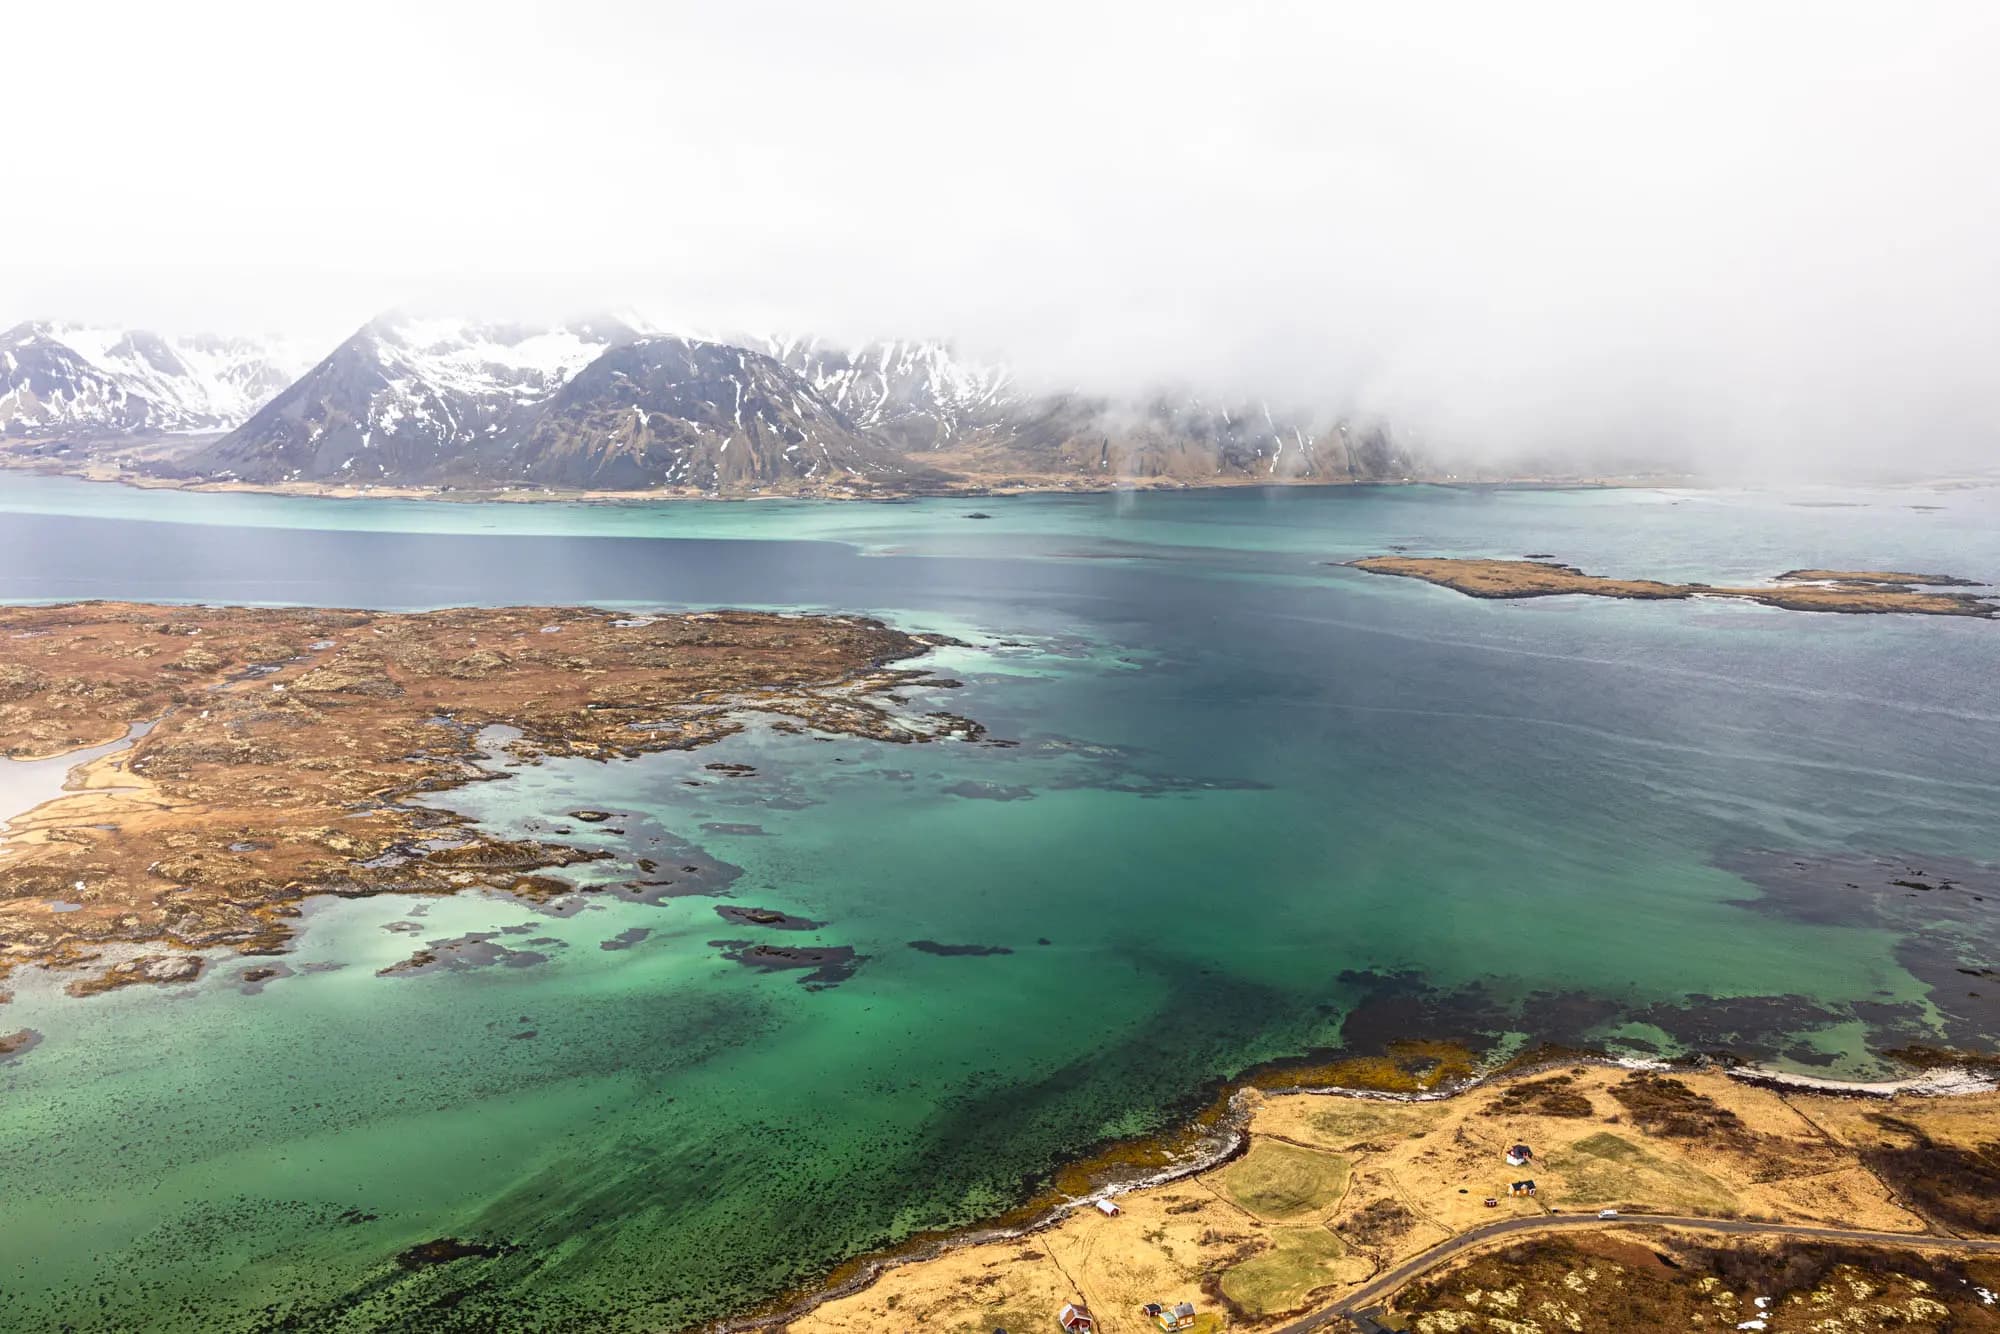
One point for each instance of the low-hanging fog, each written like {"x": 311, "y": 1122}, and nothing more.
{"x": 1756, "y": 237}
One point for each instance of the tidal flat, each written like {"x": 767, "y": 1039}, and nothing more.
{"x": 1259, "y": 808}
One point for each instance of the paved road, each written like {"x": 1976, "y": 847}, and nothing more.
{"x": 1381, "y": 1288}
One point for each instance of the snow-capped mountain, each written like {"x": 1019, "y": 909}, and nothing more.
{"x": 76, "y": 380}
{"x": 607, "y": 404}
{"x": 406, "y": 398}
{"x": 689, "y": 413}
{"x": 589, "y": 404}
{"x": 916, "y": 395}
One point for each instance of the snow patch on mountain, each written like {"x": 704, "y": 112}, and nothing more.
{"x": 473, "y": 359}
{"x": 82, "y": 379}
{"x": 920, "y": 390}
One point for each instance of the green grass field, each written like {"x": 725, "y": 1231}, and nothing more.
{"x": 1607, "y": 1169}
{"x": 1282, "y": 1181}
{"x": 1281, "y": 1278}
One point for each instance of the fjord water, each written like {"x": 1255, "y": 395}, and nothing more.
{"x": 1255, "y": 796}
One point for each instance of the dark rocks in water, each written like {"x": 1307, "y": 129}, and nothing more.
{"x": 416, "y": 963}
{"x": 990, "y": 791}
{"x": 770, "y": 917}
{"x": 1749, "y": 1028}
{"x": 447, "y": 1249}
{"x": 826, "y": 965}
{"x": 19, "y": 1043}
{"x": 1043, "y": 940}
{"x": 626, "y": 939}
{"x": 569, "y": 906}
{"x": 1142, "y": 784}
{"x": 252, "y": 980}
{"x": 730, "y": 769}
{"x": 659, "y": 891}
{"x": 475, "y": 949}
{"x": 1940, "y": 909}
{"x": 590, "y": 817}
{"x": 675, "y": 869}
{"x": 954, "y": 951}
{"x": 979, "y": 514}
{"x": 1532, "y": 555}
{"x": 1393, "y": 1007}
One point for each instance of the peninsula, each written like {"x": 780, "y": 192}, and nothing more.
{"x": 271, "y": 752}
{"x": 1849, "y": 591}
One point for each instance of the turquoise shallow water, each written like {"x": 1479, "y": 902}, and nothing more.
{"x": 1261, "y": 805}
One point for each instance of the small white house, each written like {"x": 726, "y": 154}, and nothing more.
{"x": 1107, "y": 1208}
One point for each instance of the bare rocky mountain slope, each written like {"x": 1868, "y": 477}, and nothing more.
{"x": 606, "y": 404}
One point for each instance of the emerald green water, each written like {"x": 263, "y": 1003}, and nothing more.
{"x": 1262, "y": 805}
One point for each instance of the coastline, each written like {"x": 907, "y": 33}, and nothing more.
{"x": 276, "y": 755}
{"x": 967, "y": 488}
{"x": 1221, "y": 1133}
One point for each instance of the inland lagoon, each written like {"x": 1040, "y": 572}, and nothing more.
{"x": 1255, "y": 805}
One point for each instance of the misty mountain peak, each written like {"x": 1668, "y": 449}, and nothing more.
{"x": 61, "y": 379}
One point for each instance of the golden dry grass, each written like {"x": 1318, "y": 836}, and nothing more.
{"x": 1849, "y": 591}
{"x": 1235, "y": 1239}
{"x": 285, "y": 737}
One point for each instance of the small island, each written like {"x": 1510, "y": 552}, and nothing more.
{"x": 1846, "y": 591}
{"x": 268, "y": 754}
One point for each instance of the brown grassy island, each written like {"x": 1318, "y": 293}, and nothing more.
{"x": 1332, "y": 1193}
{"x": 1849, "y": 591}
{"x": 283, "y": 741}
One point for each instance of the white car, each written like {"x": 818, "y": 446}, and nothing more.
{"x": 1607, "y": 1213}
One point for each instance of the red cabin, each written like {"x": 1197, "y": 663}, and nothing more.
{"x": 1075, "y": 1318}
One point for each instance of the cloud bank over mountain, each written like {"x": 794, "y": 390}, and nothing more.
{"x": 1756, "y": 238}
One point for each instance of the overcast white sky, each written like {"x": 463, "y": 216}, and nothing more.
{"x": 1769, "y": 229}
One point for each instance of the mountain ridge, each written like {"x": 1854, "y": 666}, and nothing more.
{"x": 606, "y": 403}
{"x": 62, "y": 379}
